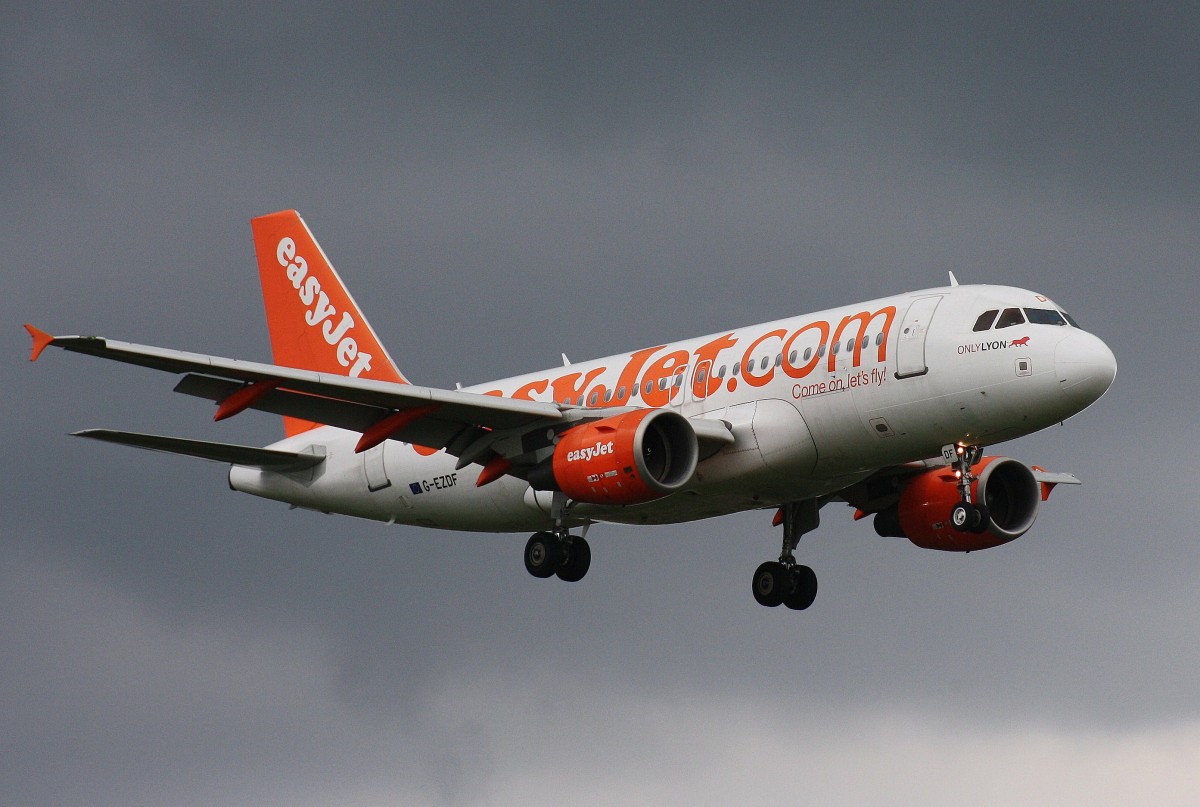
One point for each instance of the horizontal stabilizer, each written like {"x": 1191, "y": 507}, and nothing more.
{"x": 265, "y": 458}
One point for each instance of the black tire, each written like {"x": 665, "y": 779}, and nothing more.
{"x": 575, "y": 561}
{"x": 772, "y": 584}
{"x": 964, "y": 517}
{"x": 804, "y": 589}
{"x": 542, "y": 554}
{"x": 983, "y": 519}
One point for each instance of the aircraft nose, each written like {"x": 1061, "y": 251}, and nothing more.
{"x": 1085, "y": 367}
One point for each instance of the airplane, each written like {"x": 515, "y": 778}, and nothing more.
{"x": 885, "y": 405}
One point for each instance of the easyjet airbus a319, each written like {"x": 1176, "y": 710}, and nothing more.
{"x": 884, "y": 405}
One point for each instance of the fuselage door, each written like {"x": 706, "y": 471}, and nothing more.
{"x": 701, "y": 379}
{"x": 373, "y": 464}
{"x": 910, "y": 346}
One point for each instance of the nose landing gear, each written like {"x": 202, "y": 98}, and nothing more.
{"x": 967, "y": 516}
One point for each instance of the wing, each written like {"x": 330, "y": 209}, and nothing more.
{"x": 470, "y": 426}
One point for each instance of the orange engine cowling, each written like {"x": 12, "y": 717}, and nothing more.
{"x": 625, "y": 459}
{"x": 1006, "y": 487}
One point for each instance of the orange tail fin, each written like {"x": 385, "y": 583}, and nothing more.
{"x": 313, "y": 321}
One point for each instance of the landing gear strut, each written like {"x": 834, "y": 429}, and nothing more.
{"x": 784, "y": 582}
{"x": 558, "y": 553}
{"x": 966, "y": 516}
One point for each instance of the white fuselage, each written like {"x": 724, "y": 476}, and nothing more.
{"x": 815, "y": 403}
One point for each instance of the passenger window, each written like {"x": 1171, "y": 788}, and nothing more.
{"x": 837, "y": 347}
{"x": 662, "y": 383}
{"x": 721, "y": 372}
{"x": 792, "y": 357}
{"x": 621, "y": 394}
{"x": 608, "y": 396}
{"x": 879, "y": 339}
{"x": 866, "y": 342}
{"x": 736, "y": 368}
{"x": 595, "y": 396}
{"x": 807, "y": 353}
{"x": 678, "y": 381}
{"x": 650, "y": 386}
{"x": 821, "y": 351}
{"x": 1010, "y": 317}
{"x": 778, "y": 359}
{"x": 1044, "y": 316}
{"x": 766, "y": 360}
{"x": 701, "y": 375}
{"x": 985, "y": 320}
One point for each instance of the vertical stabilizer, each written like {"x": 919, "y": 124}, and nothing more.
{"x": 313, "y": 321}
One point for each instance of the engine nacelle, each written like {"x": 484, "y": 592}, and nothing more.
{"x": 1007, "y": 487}
{"x": 625, "y": 459}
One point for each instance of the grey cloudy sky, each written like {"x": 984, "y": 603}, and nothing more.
{"x": 499, "y": 186}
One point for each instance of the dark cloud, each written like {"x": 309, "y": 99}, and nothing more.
{"x": 499, "y": 185}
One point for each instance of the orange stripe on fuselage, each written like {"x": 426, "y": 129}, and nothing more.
{"x": 649, "y": 367}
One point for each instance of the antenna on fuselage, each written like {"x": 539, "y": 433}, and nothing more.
{"x": 953, "y": 280}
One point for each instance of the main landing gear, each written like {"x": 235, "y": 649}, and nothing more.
{"x": 967, "y": 516}
{"x": 548, "y": 554}
{"x": 559, "y": 552}
{"x": 784, "y": 582}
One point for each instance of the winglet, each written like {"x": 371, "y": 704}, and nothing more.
{"x": 41, "y": 341}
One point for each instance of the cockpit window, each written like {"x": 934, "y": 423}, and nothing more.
{"x": 1069, "y": 319}
{"x": 1044, "y": 316}
{"x": 985, "y": 320}
{"x": 1010, "y": 317}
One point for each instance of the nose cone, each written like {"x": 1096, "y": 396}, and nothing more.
{"x": 1085, "y": 368}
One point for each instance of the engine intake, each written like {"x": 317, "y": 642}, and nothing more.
{"x": 1007, "y": 487}
{"x": 632, "y": 458}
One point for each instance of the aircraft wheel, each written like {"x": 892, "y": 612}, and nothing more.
{"x": 772, "y": 584}
{"x": 542, "y": 554}
{"x": 983, "y": 518}
{"x": 964, "y": 517}
{"x": 576, "y": 560}
{"x": 804, "y": 589}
